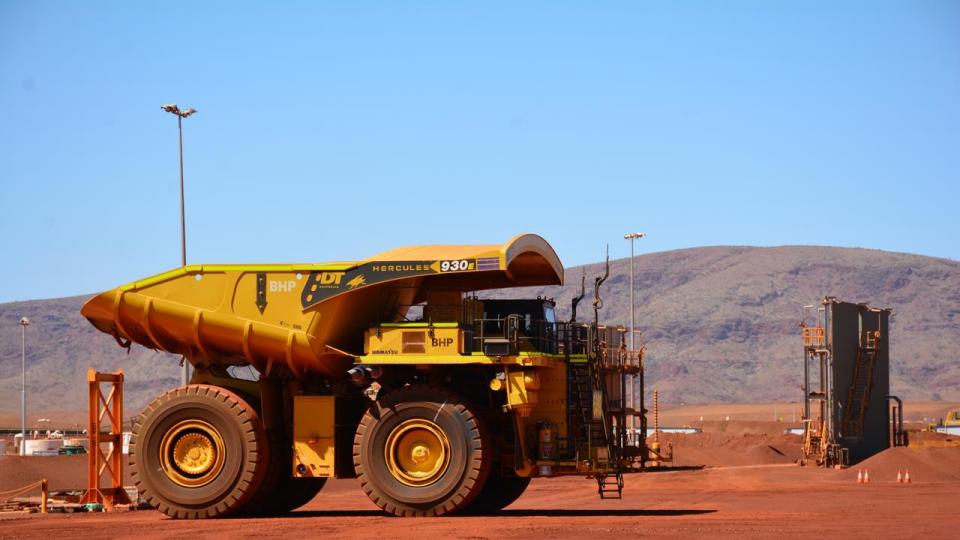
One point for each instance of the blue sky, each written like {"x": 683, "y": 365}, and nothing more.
{"x": 331, "y": 131}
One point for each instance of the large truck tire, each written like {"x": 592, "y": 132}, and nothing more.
{"x": 498, "y": 493}
{"x": 421, "y": 451}
{"x": 198, "y": 451}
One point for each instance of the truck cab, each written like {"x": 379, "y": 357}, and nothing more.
{"x": 473, "y": 327}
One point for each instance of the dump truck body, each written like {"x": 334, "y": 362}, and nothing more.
{"x": 949, "y": 425}
{"x": 352, "y": 357}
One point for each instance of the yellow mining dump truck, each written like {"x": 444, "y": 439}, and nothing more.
{"x": 390, "y": 370}
{"x": 949, "y": 425}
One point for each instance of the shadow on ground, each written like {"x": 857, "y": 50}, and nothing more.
{"x": 613, "y": 512}
{"x": 673, "y": 468}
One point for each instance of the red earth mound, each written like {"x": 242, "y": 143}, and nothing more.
{"x": 925, "y": 465}
{"x": 731, "y": 449}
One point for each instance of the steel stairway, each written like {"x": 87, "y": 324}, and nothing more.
{"x": 858, "y": 398}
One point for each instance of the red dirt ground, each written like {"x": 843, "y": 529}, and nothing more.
{"x": 785, "y": 501}
{"x": 750, "y": 489}
{"x": 753, "y": 502}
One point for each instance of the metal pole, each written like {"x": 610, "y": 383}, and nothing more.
{"x": 184, "y": 370}
{"x": 633, "y": 344}
{"x": 173, "y": 109}
{"x": 631, "y": 421}
{"x": 183, "y": 222}
{"x": 826, "y": 369}
{"x": 807, "y": 356}
{"x": 23, "y": 386}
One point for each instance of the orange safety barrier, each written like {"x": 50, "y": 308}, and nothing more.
{"x": 106, "y": 411}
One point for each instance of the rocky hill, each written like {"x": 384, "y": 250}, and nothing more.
{"x": 720, "y": 325}
{"x": 61, "y": 346}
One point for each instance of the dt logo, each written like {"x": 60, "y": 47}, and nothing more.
{"x": 330, "y": 278}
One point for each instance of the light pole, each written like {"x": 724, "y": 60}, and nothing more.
{"x": 24, "y": 323}
{"x": 633, "y": 343}
{"x": 173, "y": 109}
{"x": 631, "y": 237}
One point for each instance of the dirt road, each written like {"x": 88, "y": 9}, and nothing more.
{"x": 780, "y": 501}
{"x": 754, "y": 491}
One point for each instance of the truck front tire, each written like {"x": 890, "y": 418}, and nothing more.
{"x": 198, "y": 451}
{"x": 421, "y": 451}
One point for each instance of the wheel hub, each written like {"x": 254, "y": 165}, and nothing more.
{"x": 192, "y": 453}
{"x": 417, "y": 452}
{"x": 420, "y": 454}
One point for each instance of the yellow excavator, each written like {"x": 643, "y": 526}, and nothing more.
{"x": 393, "y": 370}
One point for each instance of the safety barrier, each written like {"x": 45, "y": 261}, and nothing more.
{"x": 6, "y": 496}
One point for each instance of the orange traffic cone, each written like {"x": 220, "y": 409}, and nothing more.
{"x": 899, "y": 477}
{"x": 859, "y": 476}
{"x": 906, "y": 477}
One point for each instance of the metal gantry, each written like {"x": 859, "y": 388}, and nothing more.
{"x": 846, "y": 366}
{"x": 819, "y": 436}
{"x": 105, "y": 429}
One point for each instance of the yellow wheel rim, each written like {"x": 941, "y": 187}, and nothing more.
{"x": 192, "y": 453}
{"x": 417, "y": 452}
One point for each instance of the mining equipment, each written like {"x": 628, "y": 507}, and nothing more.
{"x": 949, "y": 425}
{"x": 391, "y": 370}
{"x": 847, "y": 384}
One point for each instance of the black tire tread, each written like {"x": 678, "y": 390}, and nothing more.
{"x": 478, "y": 473}
{"x": 250, "y": 431}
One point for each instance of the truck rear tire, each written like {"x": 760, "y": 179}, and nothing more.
{"x": 421, "y": 451}
{"x": 198, "y": 451}
{"x": 498, "y": 493}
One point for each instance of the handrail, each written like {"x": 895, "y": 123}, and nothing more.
{"x": 44, "y": 490}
